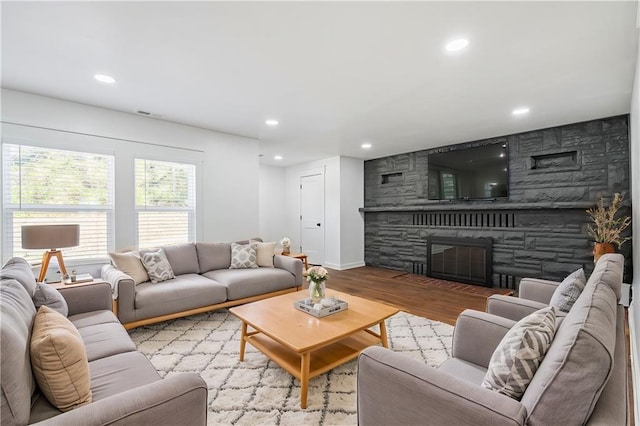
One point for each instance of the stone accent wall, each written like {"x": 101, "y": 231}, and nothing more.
{"x": 554, "y": 175}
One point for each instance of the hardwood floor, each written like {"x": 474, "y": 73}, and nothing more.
{"x": 433, "y": 302}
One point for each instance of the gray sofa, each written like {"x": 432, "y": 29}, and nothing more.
{"x": 126, "y": 389}
{"x": 203, "y": 282}
{"x": 581, "y": 380}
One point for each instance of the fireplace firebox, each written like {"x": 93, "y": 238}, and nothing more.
{"x": 467, "y": 260}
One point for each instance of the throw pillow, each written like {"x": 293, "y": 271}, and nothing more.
{"x": 517, "y": 357}
{"x": 568, "y": 291}
{"x": 131, "y": 265}
{"x": 157, "y": 266}
{"x": 46, "y": 295}
{"x": 59, "y": 360}
{"x": 265, "y": 253}
{"x": 243, "y": 256}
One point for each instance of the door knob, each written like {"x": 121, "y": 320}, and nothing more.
{"x": 317, "y": 224}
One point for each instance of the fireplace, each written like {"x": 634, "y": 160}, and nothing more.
{"x": 467, "y": 260}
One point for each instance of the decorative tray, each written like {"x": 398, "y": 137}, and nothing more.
{"x": 330, "y": 306}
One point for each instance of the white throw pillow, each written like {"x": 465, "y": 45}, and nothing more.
{"x": 157, "y": 266}
{"x": 264, "y": 254}
{"x": 243, "y": 256}
{"x": 568, "y": 291}
{"x": 519, "y": 354}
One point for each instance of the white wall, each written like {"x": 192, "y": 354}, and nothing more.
{"x": 272, "y": 202}
{"x": 228, "y": 198}
{"x": 344, "y": 194}
{"x": 351, "y": 219}
{"x": 634, "y": 310}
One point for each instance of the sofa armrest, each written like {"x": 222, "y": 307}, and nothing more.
{"x": 87, "y": 298}
{"x": 290, "y": 264}
{"x": 514, "y": 308}
{"x": 537, "y": 290}
{"x": 176, "y": 400}
{"x": 396, "y": 389}
{"x": 124, "y": 289}
{"x": 477, "y": 334}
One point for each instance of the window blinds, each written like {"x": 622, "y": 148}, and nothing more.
{"x": 165, "y": 202}
{"x": 43, "y": 186}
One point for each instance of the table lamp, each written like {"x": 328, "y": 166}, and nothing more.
{"x": 48, "y": 237}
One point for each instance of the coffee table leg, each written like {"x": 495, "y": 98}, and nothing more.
{"x": 383, "y": 334}
{"x": 305, "y": 364}
{"x": 243, "y": 340}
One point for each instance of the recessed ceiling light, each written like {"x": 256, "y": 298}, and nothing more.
{"x": 502, "y": 155}
{"x": 277, "y": 157}
{"x": 520, "y": 111}
{"x": 272, "y": 122}
{"x": 365, "y": 145}
{"x": 456, "y": 45}
{"x": 102, "y": 78}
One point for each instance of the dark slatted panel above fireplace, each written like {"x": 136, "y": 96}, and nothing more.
{"x": 466, "y": 260}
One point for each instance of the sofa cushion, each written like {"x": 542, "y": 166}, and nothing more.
{"x": 16, "y": 321}
{"x": 241, "y": 283}
{"x": 104, "y": 340}
{"x": 49, "y": 296}
{"x": 59, "y": 360}
{"x": 130, "y": 264}
{"x": 119, "y": 373}
{"x": 157, "y": 265}
{"x": 580, "y": 358}
{"x": 265, "y": 253}
{"x": 568, "y": 291}
{"x": 243, "y": 256}
{"x": 516, "y": 359}
{"x": 19, "y": 269}
{"x": 609, "y": 269}
{"x": 185, "y": 292}
{"x": 183, "y": 258}
{"x": 213, "y": 256}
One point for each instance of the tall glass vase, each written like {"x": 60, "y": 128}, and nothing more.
{"x": 316, "y": 291}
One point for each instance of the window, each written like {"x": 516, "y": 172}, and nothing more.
{"x": 43, "y": 186}
{"x": 165, "y": 203}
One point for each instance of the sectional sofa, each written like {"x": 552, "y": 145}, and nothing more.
{"x": 582, "y": 379}
{"x": 203, "y": 281}
{"x": 124, "y": 387}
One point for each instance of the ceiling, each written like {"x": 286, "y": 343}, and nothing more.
{"x": 334, "y": 74}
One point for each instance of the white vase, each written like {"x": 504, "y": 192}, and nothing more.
{"x": 316, "y": 291}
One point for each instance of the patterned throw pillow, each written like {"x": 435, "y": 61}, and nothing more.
{"x": 243, "y": 256}
{"x": 157, "y": 266}
{"x": 568, "y": 291}
{"x": 517, "y": 357}
{"x": 48, "y": 296}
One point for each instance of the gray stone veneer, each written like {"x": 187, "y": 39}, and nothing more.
{"x": 540, "y": 231}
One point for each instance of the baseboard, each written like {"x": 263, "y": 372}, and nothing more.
{"x": 344, "y": 266}
{"x": 634, "y": 334}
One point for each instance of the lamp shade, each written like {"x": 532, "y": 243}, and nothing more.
{"x": 50, "y": 236}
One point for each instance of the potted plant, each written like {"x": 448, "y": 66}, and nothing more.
{"x": 286, "y": 244}
{"x": 606, "y": 228}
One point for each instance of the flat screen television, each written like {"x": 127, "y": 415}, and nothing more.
{"x": 475, "y": 173}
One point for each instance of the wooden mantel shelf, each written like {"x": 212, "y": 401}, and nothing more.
{"x": 479, "y": 205}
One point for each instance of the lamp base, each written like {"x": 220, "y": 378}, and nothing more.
{"x": 46, "y": 258}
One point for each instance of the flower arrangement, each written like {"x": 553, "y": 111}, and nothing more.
{"x": 286, "y": 242}
{"x": 606, "y": 228}
{"x": 317, "y": 274}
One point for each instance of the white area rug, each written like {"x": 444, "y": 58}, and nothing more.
{"x": 258, "y": 391}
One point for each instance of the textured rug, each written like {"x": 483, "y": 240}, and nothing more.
{"x": 258, "y": 391}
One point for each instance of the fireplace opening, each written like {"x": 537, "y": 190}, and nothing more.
{"x": 467, "y": 260}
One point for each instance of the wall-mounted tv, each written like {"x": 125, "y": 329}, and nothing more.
{"x": 474, "y": 173}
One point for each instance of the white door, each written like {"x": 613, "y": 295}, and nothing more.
{"x": 312, "y": 218}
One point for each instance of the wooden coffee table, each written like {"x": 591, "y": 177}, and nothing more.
{"x": 306, "y": 346}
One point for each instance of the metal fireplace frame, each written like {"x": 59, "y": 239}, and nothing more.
{"x": 485, "y": 243}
